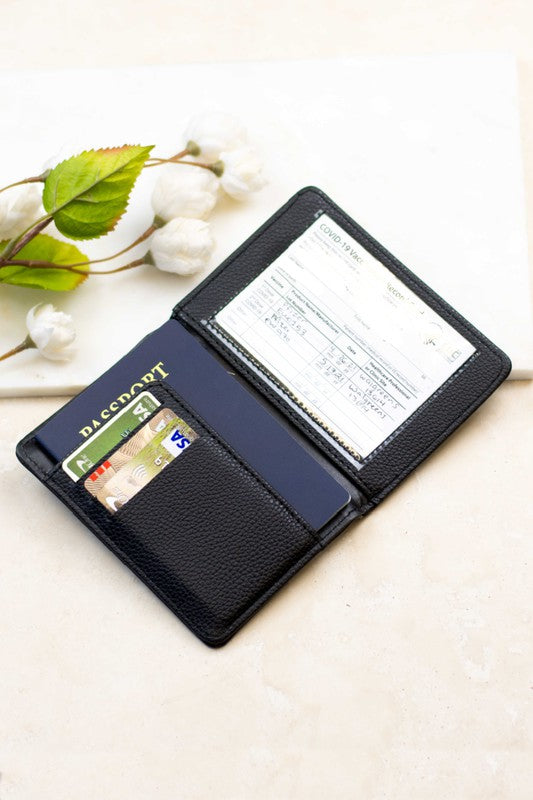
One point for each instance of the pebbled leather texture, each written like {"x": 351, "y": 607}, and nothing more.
{"x": 208, "y": 535}
{"x": 205, "y": 532}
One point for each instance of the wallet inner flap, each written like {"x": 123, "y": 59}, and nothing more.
{"x": 351, "y": 346}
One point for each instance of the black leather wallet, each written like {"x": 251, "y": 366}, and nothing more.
{"x": 316, "y": 371}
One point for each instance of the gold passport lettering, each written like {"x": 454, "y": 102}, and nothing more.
{"x": 156, "y": 372}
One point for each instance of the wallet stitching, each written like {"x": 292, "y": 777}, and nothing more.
{"x": 258, "y": 601}
{"x": 448, "y": 430}
{"x": 425, "y": 405}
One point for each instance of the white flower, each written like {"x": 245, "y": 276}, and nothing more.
{"x": 212, "y": 132}
{"x": 182, "y": 246}
{"x": 19, "y": 210}
{"x": 183, "y": 191}
{"x": 242, "y": 172}
{"x": 51, "y": 331}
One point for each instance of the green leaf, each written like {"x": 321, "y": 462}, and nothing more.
{"x": 88, "y": 193}
{"x": 45, "y": 248}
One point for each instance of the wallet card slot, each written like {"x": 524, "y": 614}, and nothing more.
{"x": 266, "y": 440}
{"x": 169, "y": 397}
{"x": 214, "y": 524}
{"x": 205, "y": 534}
{"x": 318, "y": 492}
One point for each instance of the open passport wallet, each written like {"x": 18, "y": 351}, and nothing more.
{"x": 286, "y": 396}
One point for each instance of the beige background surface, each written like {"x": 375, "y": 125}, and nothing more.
{"x": 398, "y": 665}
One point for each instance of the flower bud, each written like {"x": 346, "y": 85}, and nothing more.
{"x": 182, "y": 246}
{"x": 242, "y": 172}
{"x": 51, "y": 331}
{"x": 184, "y": 191}
{"x": 211, "y": 132}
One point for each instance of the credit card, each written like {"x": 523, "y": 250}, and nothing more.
{"x": 124, "y": 422}
{"x": 149, "y": 462}
{"x": 113, "y": 463}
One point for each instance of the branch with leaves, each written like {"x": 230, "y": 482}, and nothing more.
{"x": 87, "y": 194}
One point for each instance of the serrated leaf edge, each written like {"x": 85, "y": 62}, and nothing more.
{"x": 150, "y": 147}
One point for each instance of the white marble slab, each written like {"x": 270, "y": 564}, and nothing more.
{"x": 424, "y": 152}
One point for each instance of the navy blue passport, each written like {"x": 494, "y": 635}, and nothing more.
{"x": 173, "y": 354}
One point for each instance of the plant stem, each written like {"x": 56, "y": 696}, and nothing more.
{"x": 27, "y": 343}
{"x": 181, "y": 154}
{"x": 174, "y": 160}
{"x": 30, "y": 234}
{"x": 13, "y": 262}
{"x": 137, "y": 263}
{"x": 34, "y": 179}
{"x": 18, "y": 243}
{"x": 70, "y": 267}
{"x": 148, "y": 232}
